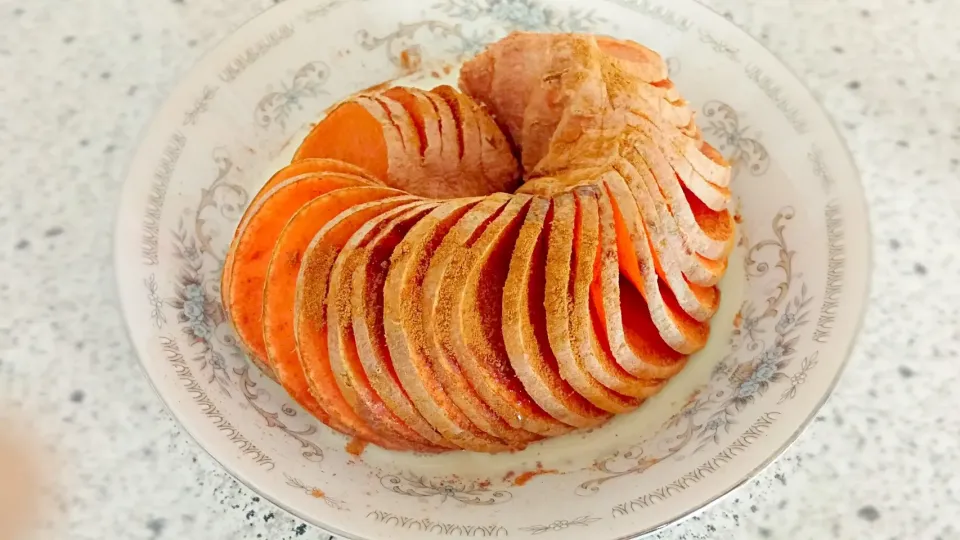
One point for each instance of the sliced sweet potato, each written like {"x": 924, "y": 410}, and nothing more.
{"x": 253, "y": 247}
{"x": 403, "y": 328}
{"x": 622, "y": 318}
{"x": 310, "y": 323}
{"x": 279, "y": 295}
{"x": 698, "y": 302}
{"x": 567, "y": 341}
{"x": 411, "y": 136}
{"x": 706, "y": 232}
{"x": 372, "y": 135}
{"x": 451, "y": 138}
{"x": 307, "y": 166}
{"x": 368, "y": 331}
{"x": 425, "y": 120}
{"x": 464, "y": 123}
{"x": 698, "y": 269}
{"x": 347, "y": 368}
{"x": 473, "y": 285}
{"x": 525, "y": 326}
{"x": 714, "y": 195}
{"x": 595, "y": 350}
{"x": 498, "y": 170}
{"x": 653, "y": 103}
{"x": 683, "y": 333}
{"x": 437, "y": 315}
{"x": 441, "y": 175}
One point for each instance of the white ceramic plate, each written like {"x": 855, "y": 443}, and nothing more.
{"x": 792, "y": 301}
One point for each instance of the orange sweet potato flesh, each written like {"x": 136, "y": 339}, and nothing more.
{"x": 697, "y": 301}
{"x": 487, "y": 164}
{"x": 437, "y": 317}
{"x": 474, "y": 286}
{"x": 279, "y": 297}
{"x": 368, "y": 331}
{"x": 310, "y": 312}
{"x": 350, "y": 133}
{"x": 489, "y": 323}
{"x": 685, "y": 334}
{"x": 406, "y": 341}
{"x": 300, "y": 168}
{"x": 572, "y": 343}
{"x": 600, "y": 361}
{"x": 463, "y": 122}
{"x": 254, "y": 246}
{"x": 345, "y": 363}
{"x": 622, "y": 316}
{"x": 525, "y": 326}
{"x": 396, "y": 136}
{"x": 425, "y": 121}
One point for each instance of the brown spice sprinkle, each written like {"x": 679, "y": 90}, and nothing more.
{"x": 356, "y": 446}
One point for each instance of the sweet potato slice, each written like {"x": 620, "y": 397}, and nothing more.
{"x": 279, "y": 295}
{"x": 368, "y": 331}
{"x": 370, "y": 134}
{"x": 473, "y": 285}
{"x": 403, "y": 328}
{"x": 683, "y": 333}
{"x": 413, "y": 139}
{"x": 698, "y": 269}
{"x": 437, "y": 314}
{"x": 595, "y": 349}
{"x": 311, "y": 307}
{"x": 566, "y": 341}
{"x": 706, "y": 232}
{"x": 345, "y": 362}
{"x": 525, "y": 326}
{"x": 498, "y": 170}
{"x": 714, "y": 195}
{"x": 632, "y": 339}
{"x": 451, "y": 139}
{"x": 307, "y": 166}
{"x": 698, "y": 302}
{"x": 441, "y": 176}
{"x": 425, "y": 120}
{"x": 253, "y": 247}
{"x": 464, "y": 123}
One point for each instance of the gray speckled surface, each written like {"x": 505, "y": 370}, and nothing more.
{"x": 82, "y": 79}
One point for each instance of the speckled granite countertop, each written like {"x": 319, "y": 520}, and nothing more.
{"x": 80, "y": 80}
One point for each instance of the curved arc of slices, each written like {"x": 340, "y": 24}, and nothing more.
{"x": 280, "y": 289}
{"x": 311, "y": 315}
{"x": 525, "y": 327}
{"x": 437, "y": 315}
{"x": 473, "y": 284}
{"x": 404, "y": 288}
{"x": 403, "y": 328}
{"x": 348, "y": 370}
{"x": 253, "y": 244}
